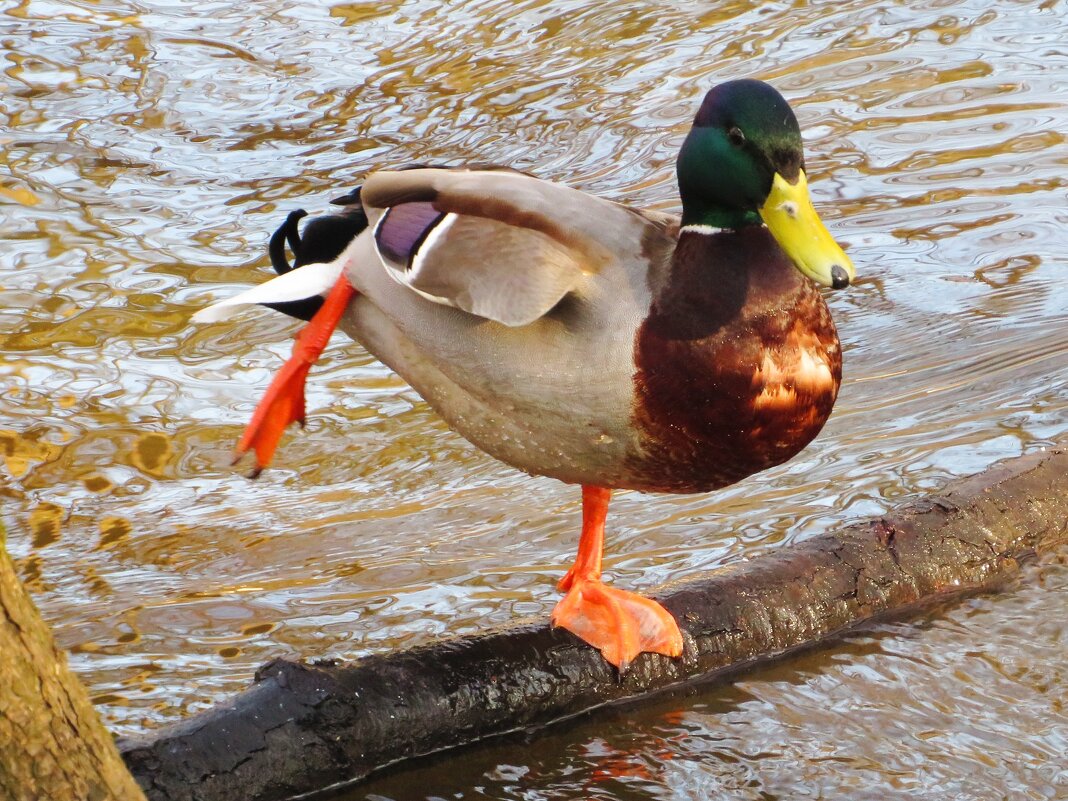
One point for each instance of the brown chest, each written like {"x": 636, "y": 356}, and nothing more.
{"x": 735, "y": 371}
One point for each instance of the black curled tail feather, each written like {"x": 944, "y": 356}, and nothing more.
{"x": 323, "y": 240}
{"x": 277, "y": 246}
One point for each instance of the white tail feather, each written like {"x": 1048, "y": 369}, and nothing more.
{"x": 303, "y": 282}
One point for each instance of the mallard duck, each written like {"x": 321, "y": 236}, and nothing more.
{"x": 605, "y": 346}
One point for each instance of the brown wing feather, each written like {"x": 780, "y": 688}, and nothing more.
{"x": 577, "y": 221}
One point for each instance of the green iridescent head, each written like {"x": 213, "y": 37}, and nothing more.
{"x": 743, "y": 164}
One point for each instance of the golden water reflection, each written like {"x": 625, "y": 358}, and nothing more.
{"x": 150, "y": 148}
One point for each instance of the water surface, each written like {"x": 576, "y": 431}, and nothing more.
{"x": 147, "y": 151}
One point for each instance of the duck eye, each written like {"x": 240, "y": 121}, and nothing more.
{"x": 736, "y": 136}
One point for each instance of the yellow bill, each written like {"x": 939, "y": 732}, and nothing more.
{"x": 792, "y": 220}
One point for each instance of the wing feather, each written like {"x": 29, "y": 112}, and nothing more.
{"x": 496, "y": 243}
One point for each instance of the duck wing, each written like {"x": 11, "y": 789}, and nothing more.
{"x": 497, "y": 243}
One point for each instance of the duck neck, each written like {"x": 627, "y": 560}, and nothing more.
{"x": 699, "y": 214}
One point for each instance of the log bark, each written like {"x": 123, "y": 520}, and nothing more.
{"x": 52, "y": 744}
{"x": 302, "y": 727}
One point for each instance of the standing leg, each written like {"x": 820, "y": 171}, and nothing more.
{"x": 618, "y": 623}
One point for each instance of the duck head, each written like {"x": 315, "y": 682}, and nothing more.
{"x": 742, "y": 164}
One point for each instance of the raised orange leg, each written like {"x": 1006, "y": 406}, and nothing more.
{"x": 284, "y": 401}
{"x": 618, "y": 623}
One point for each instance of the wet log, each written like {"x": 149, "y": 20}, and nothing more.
{"x": 303, "y": 727}
{"x": 52, "y": 744}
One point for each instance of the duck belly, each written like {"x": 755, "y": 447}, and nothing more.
{"x": 542, "y": 398}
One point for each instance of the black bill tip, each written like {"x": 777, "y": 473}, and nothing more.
{"x": 839, "y": 277}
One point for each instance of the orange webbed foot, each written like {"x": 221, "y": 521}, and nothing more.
{"x": 618, "y": 623}
{"x": 283, "y": 402}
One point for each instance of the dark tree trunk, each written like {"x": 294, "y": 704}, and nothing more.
{"x": 52, "y": 744}
{"x": 300, "y": 728}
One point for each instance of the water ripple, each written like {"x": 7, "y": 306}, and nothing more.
{"x": 164, "y": 141}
